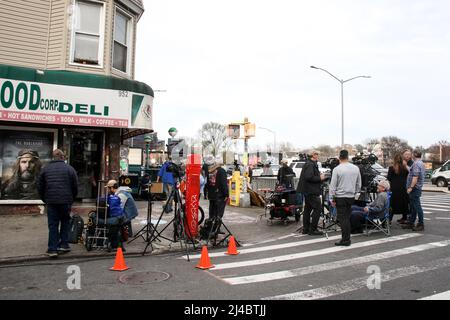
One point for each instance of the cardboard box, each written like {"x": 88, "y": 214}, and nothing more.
{"x": 157, "y": 187}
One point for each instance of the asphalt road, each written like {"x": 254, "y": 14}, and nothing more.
{"x": 410, "y": 265}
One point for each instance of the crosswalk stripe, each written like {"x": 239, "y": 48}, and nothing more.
{"x": 334, "y": 265}
{"x": 436, "y": 209}
{"x": 313, "y": 252}
{"x": 360, "y": 283}
{"x": 434, "y": 205}
{"x": 272, "y": 240}
{"x": 440, "y": 296}
{"x": 442, "y": 218}
{"x": 273, "y": 247}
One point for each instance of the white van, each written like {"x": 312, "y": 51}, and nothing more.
{"x": 441, "y": 176}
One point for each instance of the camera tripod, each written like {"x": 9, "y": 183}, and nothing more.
{"x": 216, "y": 223}
{"x": 180, "y": 232}
{"x": 148, "y": 230}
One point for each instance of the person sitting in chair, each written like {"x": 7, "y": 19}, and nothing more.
{"x": 285, "y": 175}
{"x": 376, "y": 208}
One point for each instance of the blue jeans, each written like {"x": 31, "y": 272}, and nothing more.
{"x": 58, "y": 237}
{"x": 415, "y": 206}
{"x": 167, "y": 188}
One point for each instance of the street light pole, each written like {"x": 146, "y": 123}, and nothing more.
{"x": 342, "y": 97}
{"x": 274, "y": 138}
{"x": 147, "y": 140}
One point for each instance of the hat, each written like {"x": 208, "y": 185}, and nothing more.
{"x": 343, "y": 154}
{"x": 210, "y": 160}
{"x": 112, "y": 183}
{"x": 24, "y": 152}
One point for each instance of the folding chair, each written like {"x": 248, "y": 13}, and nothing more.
{"x": 376, "y": 224}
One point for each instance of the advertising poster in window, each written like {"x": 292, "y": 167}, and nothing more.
{"x": 23, "y": 153}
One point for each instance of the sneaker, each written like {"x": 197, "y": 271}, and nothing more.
{"x": 63, "y": 249}
{"x": 343, "y": 243}
{"x": 52, "y": 254}
{"x": 408, "y": 225}
{"x": 418, "y": 227}
{"x": 316, "y": 233}
{"x": 305, "y": 231}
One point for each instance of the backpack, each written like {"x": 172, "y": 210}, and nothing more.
{"x": 114, "y": 208}
{"x": 76, "y": 226}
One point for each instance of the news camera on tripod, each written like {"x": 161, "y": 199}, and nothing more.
{"x": 369, "y": 177}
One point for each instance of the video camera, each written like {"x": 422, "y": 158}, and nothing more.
{"x": 368, "y": 174}
{"x": 175, "y": 169}
{"x": 330, "y": 163}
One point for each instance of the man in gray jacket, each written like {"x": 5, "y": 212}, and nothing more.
{"x": 345, "y": 184}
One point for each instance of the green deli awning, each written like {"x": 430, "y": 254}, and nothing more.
{"x": 73, "y": 98}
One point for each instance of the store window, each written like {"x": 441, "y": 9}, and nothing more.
{"x": 23, "y": 153}
{"x": 122, "y": 41}
{"x": 87, "y": 36}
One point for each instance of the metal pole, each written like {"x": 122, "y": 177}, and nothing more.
{"x": 342, "y": 119}
{"x": 147, "y": 147}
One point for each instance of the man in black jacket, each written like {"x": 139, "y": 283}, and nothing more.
{"x": 58, "y": 188}
{"x": 217, "y": 185}
{"x": 309, "y": 184}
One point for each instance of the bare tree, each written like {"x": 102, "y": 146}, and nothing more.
{"x": 391, "y": 145}
{"x": 213, "y": 137}
{"x": 371, "y": 143}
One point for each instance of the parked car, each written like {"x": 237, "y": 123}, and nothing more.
{"x": 297, "y": 166}
{"x": 257, "y": 172}
{"x": 441, "y": 176}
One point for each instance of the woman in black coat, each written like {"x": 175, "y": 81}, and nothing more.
{"x": 397, "y": 175}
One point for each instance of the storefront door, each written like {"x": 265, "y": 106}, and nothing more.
{"x": 85, "y": 157}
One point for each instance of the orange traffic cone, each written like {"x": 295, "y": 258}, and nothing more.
{"x": 119, "y": 264}
{"x": 232, "y": 247}
{"x": 205, "y": 262}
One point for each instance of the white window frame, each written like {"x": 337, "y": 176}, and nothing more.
{"x": 101, "y": 41}
{"x": 130, "y": 34}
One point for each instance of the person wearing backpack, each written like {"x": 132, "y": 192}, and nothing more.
{"x": 58, "y": 188}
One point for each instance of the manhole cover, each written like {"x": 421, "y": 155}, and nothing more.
{"x": 143, "y": 277}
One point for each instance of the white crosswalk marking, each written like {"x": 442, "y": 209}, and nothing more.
{"x": 313, "y": 252}
{"x": 428, "y": 205}
{"x": 359, "y": 283}
{"x": 439, "y": 296}
{"x": 270, "y": 248}
{"x": 334, "y": 265}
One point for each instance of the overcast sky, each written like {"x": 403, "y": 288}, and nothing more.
{"x": 223, "y": 60}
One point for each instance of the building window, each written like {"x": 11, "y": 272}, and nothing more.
{"x": 122, "y": 41}
{"x": 87, "y": 36}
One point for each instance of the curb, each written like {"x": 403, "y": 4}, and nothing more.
{"x": 65, "y": 257}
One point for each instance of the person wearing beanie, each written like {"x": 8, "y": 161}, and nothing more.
{"x": 217, "y": 185}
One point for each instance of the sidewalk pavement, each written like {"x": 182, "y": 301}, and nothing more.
{"x": 24, "y": 237}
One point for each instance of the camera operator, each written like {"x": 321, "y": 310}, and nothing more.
{"x": 309, "y": 185}
{"x": 345, "y": 184}
{"x": 217, "y": 185}
{"x": 168, "y": 182}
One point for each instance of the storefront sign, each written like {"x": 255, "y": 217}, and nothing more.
{"x": 24, "y": 101}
